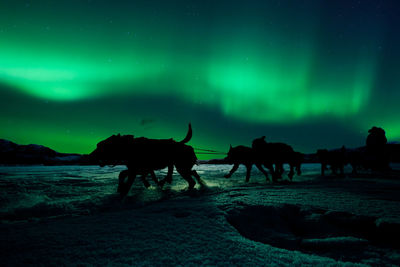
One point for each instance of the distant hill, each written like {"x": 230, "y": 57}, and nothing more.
{"x": 12, "y": 153}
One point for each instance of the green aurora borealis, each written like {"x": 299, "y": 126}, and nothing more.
{"x": 310, "y": 73}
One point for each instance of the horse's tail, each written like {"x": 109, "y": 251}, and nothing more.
{"x": 188, "y": 135}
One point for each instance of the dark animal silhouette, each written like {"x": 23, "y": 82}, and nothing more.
{"x": 116, "y": 150}
{"x": 376, "y": 149}
{"x": 278, "y": 154}
{"x": 246, "y": 156}
{"x": 143, "y": 155}
{"x": 297, "y": 160}
{"x": 376, "y": 139}
{"x": 375, "y": 156}
{"x": 336, "y": 159}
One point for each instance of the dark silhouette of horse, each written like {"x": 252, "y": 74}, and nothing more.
{"x": 375, "y": 156}
{"x": 376, "y": 149}
{"x": 297, "y": 160}
{"x": 376, "y": 139}
{"x": 278, "y": 154}
{"x": 336, "y": 159}
{"x": 143, "y": 156}
{"x": 246, "y": 156}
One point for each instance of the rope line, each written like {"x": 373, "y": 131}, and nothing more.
{"x": 208, "y": 150}
{"x": 211, "y": 153}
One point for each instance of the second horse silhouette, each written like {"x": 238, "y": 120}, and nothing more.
{"x": 266, "y": 154}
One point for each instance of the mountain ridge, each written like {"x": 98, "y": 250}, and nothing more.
{"x": 32, "y": 154}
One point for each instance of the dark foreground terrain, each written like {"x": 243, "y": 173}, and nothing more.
{"x": 71, "y": 215}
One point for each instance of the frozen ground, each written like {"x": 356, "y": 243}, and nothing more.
{"x": 71, "y": 215}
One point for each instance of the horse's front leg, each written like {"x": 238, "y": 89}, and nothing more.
{"x": 248, "y": 171}
{"x": 234, "y": 168}
{"x": 323, "y": 167}
{"x": 270, "y": 167}
{"x": 121, "y": 180}
{"x": 154, "y": 178}
{"x": 279, "y": 169}
{"x": 291, "y": 172}
{"x": 168, "y": 178}
{"x": 298, "y": 168}
{"x": 262, "y": 170}
{"x": 131, "y": 178}
{"x": 144, "y": 181}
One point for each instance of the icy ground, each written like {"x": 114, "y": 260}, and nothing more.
{"x": 71, "y": 215}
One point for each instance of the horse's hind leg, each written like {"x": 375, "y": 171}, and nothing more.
{"x": 187, "y": 175}
{"x": 195, "y": 174}
{"x": 198, "y": 178}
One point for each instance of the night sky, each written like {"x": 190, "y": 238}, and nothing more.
{"x": 309, "y": 73}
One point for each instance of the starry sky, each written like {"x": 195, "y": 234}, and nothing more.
{"x": 310, "y": 73}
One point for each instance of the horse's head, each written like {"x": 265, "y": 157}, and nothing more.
{"x": 259, "y": 143}
{"x": 113, "y": 150}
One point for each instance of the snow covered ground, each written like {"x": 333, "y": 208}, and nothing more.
{"x": 71, "y": 215}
